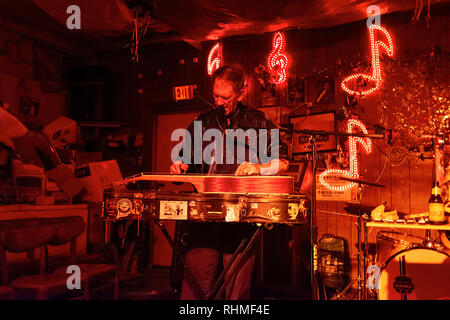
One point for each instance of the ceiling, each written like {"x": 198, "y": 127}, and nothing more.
{"x": 109, "y": 22}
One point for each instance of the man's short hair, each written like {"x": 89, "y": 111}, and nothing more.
{"x": 231, "y": 73}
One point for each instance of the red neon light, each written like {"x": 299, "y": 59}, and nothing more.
{"x": 278, "y": 60}
{"x": 376, "y": 68}
{"x": 214, "y": 59}
{"x": 354, "y": 164}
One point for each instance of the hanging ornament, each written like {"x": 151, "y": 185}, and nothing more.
{"x": 141, "y": 21}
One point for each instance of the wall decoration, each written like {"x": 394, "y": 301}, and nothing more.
{"x": 416, "y": 96}
{"x": 319, "y": 121}
{"x": 278, "y": 61}
{"x": 365, "y": 84}
{"x": 352, "y": 124}
{"x": 214, "y": 59}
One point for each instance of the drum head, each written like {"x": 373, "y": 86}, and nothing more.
{"x": 389, "y": 243}
{"x": 416, "y": 274}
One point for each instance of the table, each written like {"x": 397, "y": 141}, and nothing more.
{"x": 21, "y": 211}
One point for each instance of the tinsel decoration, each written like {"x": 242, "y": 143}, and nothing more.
{"x": 416, "y": 95}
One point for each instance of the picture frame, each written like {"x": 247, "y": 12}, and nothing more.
{"x": 325, "y": 91}
{"x": 296, "y": 90}
{"x": 325, "y": 121}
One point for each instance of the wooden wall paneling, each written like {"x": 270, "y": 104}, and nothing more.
{"x": 421, "y": 184}
{"x": 341, "y": 45}
{"x": 321, "y": 43}
{"x": 321, "y": 219}
{"x": 400, "y": 188}
{"x": 447, "y": 44}
{"x": 305, "y": 54}
{"x": 417, "y": 35}
{"x": 332, "y": 218}
{"x": 355, "y": 35}
{"x": 439, "y": 30}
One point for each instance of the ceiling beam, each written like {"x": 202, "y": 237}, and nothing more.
{"x": 67, "y": 45}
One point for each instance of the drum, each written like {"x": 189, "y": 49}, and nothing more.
{"x": 389, "y": 243}
{"x": 416, "y": 274}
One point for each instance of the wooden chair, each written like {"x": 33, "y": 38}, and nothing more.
{"x": 94, "y": 277}
{"x": 26, "y": 236}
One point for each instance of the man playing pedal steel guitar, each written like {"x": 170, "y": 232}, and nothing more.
{"x": 209, "y": 241}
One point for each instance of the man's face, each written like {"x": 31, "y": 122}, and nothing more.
{"x": 224, "y": 95}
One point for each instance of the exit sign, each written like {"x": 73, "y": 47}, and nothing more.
{"x": 184, "y": 92}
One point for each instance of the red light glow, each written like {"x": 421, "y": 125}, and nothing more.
{"x": 353, "y": 151}
{"x": 375, "y": 77}
{"x": 278, "y": 61}
{"x": 214, "y": 59}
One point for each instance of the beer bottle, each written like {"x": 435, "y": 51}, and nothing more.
{"x": 436, "y": 206}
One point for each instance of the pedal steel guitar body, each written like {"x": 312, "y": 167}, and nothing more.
{"x": 221, "y": 198}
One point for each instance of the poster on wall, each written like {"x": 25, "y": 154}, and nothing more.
{"x": 320, "y": 121}
{"x": 324, "y": 91}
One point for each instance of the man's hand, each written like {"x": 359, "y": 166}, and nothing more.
{"x": 178, "y": 167}
{"x": 272, "y": 168}
{"x": 248, "y": 169}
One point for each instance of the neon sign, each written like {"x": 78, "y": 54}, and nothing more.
{"x": 354, "y": 164}
{"x": 375, "y": 77}
{"x": 214, "y": 59}
{"x": 278, "y": 61}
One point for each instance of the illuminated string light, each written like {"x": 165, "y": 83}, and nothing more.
{"x": 376, "y": 68}
{"x": 353, "y": 155}
{"x": 214, "y": 59}
{"x": 277, "y": 60}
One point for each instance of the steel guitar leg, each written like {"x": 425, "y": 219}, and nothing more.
{"x": 247, "y": 244}
{"x": 196, "y": 287}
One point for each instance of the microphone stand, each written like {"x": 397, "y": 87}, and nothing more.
{"x": 313, "y": 216}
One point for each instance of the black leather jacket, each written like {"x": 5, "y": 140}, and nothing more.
{"x": 244, "y": 118}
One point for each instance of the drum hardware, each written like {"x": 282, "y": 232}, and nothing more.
{"x": 360, "y": 181}
{"x": 313, "y": 218}
{"x": 428, "y": 242}
{"x": 390, "y": 242}
{"x": 361, "y": 292}
{"x": 360, "y": 281}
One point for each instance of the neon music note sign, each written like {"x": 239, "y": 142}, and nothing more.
{"x": 277, "y": 60}
{"x": 375, "y": 77}
{"x": 214, "y": 59}
{"x": 353, "y": 151}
